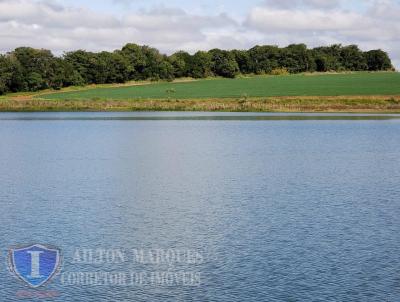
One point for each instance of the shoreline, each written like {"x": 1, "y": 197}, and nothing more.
{"x": 301, "y": 104}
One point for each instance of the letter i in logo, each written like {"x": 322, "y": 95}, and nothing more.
{"x": 35, "y": 264}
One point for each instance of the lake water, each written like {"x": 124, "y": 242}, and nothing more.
{"x": 274, "y": 207}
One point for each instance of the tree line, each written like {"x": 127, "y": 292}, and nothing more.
{"x": 29, "y": 69}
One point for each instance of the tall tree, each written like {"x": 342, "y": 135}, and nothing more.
{"x": 39, "y": 67}
{"x": 378, "y": 60}
{"x": 200, "y": 65}
{"x": 297, "y": 58}
{"x": 136, "y": 58}
{"x": 223, "y": 63}
{"x": 243, "y": 60}
{"x": 352, "y": 58}
{"x": 264, "y": 58}
{"x": 11, "y": 74}
{"x": 180, "y": 62}
{"x": 32, "y": 69}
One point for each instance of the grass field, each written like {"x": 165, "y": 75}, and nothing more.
{"x": 354, "y": 92}
{"x": 354, "y": 84}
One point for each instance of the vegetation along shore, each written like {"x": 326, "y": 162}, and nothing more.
{"x": 264, "y": 78}
{"x": 352, "y": 92}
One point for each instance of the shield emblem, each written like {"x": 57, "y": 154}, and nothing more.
{"x": 34, "y": 264}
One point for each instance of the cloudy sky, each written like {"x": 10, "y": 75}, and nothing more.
{"x": 172, "y": 25}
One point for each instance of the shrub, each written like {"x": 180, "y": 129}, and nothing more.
{"x": 279, "y": 71}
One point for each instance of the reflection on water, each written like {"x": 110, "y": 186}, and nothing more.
{"x": 281, "y": 209}
{"x": 176, "y": 116}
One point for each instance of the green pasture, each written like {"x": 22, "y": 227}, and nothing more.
{"x": 352, "y": 84}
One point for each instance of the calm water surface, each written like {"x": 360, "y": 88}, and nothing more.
{"x": 298, "y": 208}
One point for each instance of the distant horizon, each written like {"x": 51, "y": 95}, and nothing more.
{"x": 66, "y": 25}
{"x": 192, "y": 52}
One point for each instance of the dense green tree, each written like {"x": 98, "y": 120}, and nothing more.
{"x": 377, "y": 60}
{"x": 181, "y": 63}
{"x": 111, "y": 68}
{"x": 11, "y": 74}
{"x": 34, "y": 81}
{"x": 3, "y": 86}
{"x": 264, "y": 58}
{"x": 166, "y": 71}
{"x": 56, "y": 78}
{"x": 296, "y": 58}
{"x": 322, "y": 63}
{"x": 89, "y": 65}
{"x": 154, "y": 64}
{"x": 223, "y": 63}
{"x": 327, "y": 58}
{"x": 29, "y": 69}
{"x": 5, "y": 74}
{"x": 98, "y": 68}
{"x": 71, "y": 76}
{"x": 81, "y": 62}
{"x": 243, "y": 60}
{"x": 40, "y": 68}
{"x": 200, "y": 65}
{"x": 136, "y": 59}
{"x": 352, "y": 58}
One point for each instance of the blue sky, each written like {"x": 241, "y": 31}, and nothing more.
{"x": 237, "y": 8}
{"x": 204, "y": 7}
{"x": 173, "y": 25}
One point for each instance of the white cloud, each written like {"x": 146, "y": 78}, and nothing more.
{"x": 42, "y": 24}
{"x": 46, "y": 24}
{"x": 288, "y": 4}
{"x": 323, "y": 22}
{"x": 271, "y": 20}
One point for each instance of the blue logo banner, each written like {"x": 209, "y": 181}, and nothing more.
{"x": 35, "y": 264}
